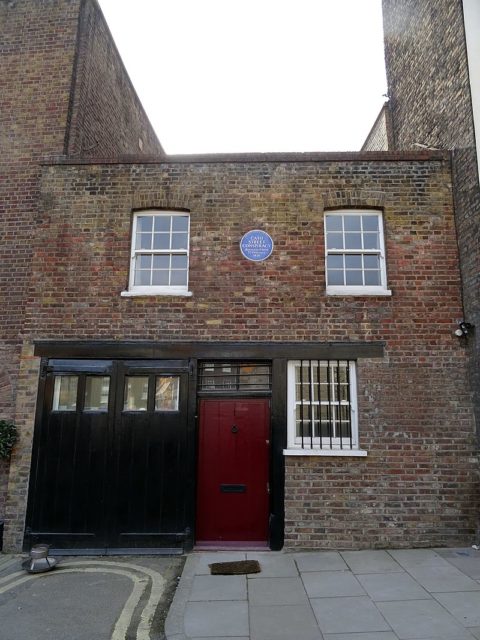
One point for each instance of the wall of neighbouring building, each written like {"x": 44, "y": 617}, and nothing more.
{"x": 417, "y": 485}
{"x": 430, "y": 101}
{"x": 380, "y": 136}
{"x": 107, "y": 118}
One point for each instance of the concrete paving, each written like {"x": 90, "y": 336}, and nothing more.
{"x": 114, "y": 598}
{"x": 419, "y": 594}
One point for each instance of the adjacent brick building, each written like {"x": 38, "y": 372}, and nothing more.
{"x": 250, "y": 349}
{"x": 433, "y": 78}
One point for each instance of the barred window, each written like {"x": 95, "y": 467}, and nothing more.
{"x": 322, "y": 404}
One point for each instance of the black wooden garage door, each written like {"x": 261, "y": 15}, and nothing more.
{"x": 108, "y": 462}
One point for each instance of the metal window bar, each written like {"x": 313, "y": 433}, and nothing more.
{"x": 329, "y": 406}
{"x": 311, "y": 412}
{"x": 302, "y": 422}
{"x": 339, "y": 400}
{"x": 349, "y": 405}
{"x": 319, "y": 406}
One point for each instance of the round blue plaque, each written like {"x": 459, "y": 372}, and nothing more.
{"x": 256, "y": 245}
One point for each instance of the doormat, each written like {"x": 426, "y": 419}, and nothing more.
{"x": 240, "y": 567}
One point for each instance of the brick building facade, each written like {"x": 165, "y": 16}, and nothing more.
{"x": 149, "y": 350}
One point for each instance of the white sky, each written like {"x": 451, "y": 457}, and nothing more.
{"x": 254, "y": 75}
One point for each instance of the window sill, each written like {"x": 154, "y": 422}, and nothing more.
{"x": 349, "y": 453}
{"x": 156, "y": 291}
{"x": 358, "y": 291}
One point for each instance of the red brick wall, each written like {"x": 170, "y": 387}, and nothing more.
{"x": 430, "y": 102}
{"x": 416, "y": 486}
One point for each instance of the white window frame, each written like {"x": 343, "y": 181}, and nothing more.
{"x": 148, "y": 290}
{"x": 358, "y": 290}
{"x": 321, "y": 446}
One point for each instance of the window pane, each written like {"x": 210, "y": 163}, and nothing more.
{"x": 136, "y": 393}
{"x": 142, "y": 278}
{"x": 352, "y": 223}
{"x": 166, "y": 393}
{"x": 371, "y": 262}
{"x": 65, "y": 393}
{"x": 144, "y": 241}
{"x": 180, "y": 223}
{"x": 370, "y": 241}
{"x": 254, "y": 377}
{"x": 144, "y": 223}
{"x": 96, "y": 393}
{"x": 160, "y": 278}
{"x": 161, "y": 241}
{"x": 335, "y": 262}
{"x": 334, "y": 241}
{"x": 333, "y": 223}
{"x": 179, "y": 262}
{"x": 178, "y": 278}
{"x": 370, "y": 223}
{"x": 353, "y": 278}
{"x": 162, "y": 223}
{"x": 353, "y": 262}
{"x": 179, "y": 241}
{"x": 372, "y": 278}
{"x": 353, "y": 241}
{"x": 144, "y": 262}
{"x": 335, "y": 277}
{"x": 161, "y": 262}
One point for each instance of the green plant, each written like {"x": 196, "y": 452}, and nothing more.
{"x": 8, "y": 437}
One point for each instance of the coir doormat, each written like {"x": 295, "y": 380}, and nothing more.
{"x": 239, "y": 567}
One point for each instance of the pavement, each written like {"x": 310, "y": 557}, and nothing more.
{"x": 418, "y": 594}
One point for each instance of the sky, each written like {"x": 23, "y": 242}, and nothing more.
{"x": 226, "y": 76}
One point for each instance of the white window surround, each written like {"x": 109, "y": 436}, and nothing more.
{"x": 324, "y": 446}
{"x": 155, "y": 248}
{"x": 362, "y": 253}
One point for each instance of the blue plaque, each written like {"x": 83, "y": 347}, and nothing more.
{"x": 256, "y": 245}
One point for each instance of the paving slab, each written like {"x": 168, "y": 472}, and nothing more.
{"x": 291, "y": 622}
{"x": 392, "y": 586}
{"x": 465, "y": 606}
{"x": 422, "y": 619}
{"x": 370, "y": 562}
{"x": 320, "y": 561}
{"x": 466, "y": 560}
{"x": 348, "y": 615}
{"x": 206, "y": 588}
{"x": 325, "y": 584}
{"x": 211, "y": 619}
{"x": 276, "y": 591}
{"x": 274, "y": 565}
{"x": 408, "y": 558}
{"x": 443, "y": 578}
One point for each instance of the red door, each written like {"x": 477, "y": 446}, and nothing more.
{"x": 232, "y": 494}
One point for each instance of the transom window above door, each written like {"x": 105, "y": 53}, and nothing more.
{"x": 355, "y": 253}
{"x": 159, "y": 253}
{"x": 235, "y": 377}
